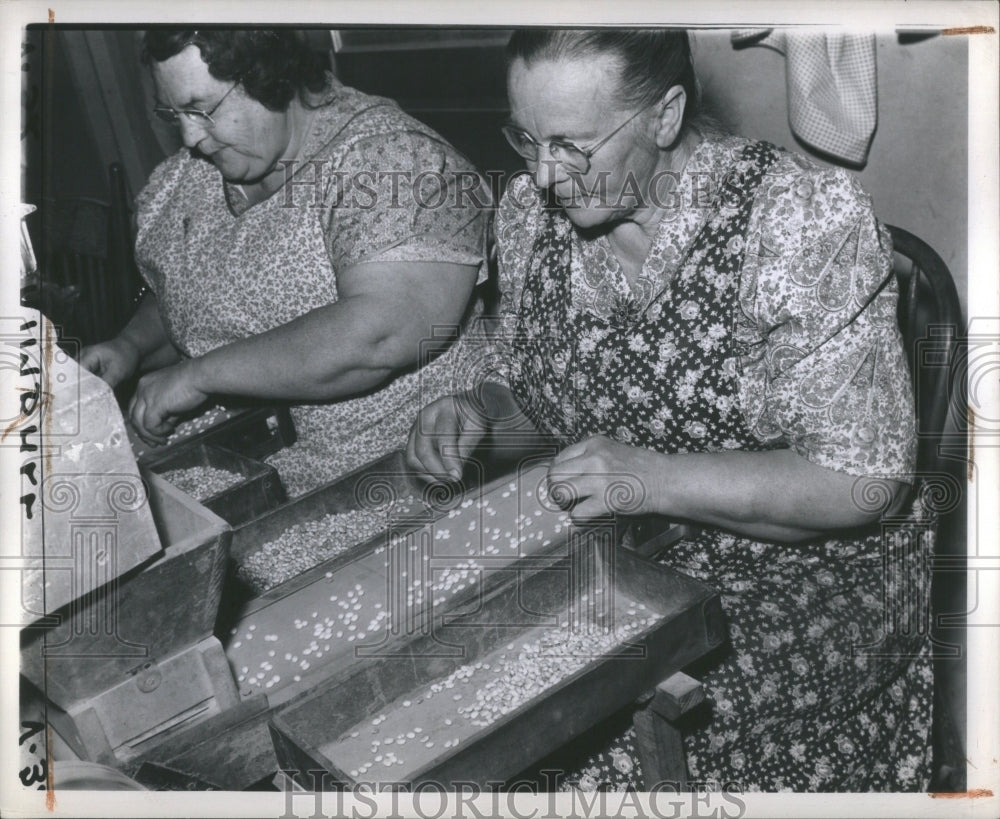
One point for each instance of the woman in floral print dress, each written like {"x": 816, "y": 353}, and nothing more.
{"x": 302, "y": 246}
{"x": 715, "y": 317}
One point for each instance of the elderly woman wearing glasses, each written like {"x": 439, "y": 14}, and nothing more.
{"x": 714, "y": 317}
{"x": 302, "y": 246}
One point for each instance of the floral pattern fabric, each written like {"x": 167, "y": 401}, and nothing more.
{"x": 820, "y": 366}
{"x": 671, "y": 358}
{"x": 222, "y": 270}
{"x": 764, "y": 317}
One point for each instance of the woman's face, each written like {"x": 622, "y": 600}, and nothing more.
{"x": 247, "y": 139}
{"x": 578, "y": 100}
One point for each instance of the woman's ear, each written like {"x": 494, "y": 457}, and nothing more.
{"x": 668, "y": 127}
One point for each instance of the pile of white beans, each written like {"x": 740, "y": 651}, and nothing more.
{"x": 304, "y": 545}
{"x": 202, "y": 482}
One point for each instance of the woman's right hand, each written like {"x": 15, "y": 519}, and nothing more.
{"x": 443, "y": 436}
{"x": 114, "y": 361}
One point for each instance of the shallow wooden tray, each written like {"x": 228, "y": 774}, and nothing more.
{"x": 688, "y": 623}
{"x": 253, "y": 433}
{"x": 258, "y": 491}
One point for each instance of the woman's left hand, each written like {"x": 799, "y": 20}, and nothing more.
{"x": 161, "y": 398}
{"x": 599, "y": 476}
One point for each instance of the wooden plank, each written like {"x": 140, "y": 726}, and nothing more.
{"x": 659, "y": 742}
{"x": 90, "y": 730}
{"x": 660, "y": 750}
{"x": 210, "y": 731}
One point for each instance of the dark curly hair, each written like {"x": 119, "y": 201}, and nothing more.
{"x": 272, "y": 65}
{"x": 652, "y": 60}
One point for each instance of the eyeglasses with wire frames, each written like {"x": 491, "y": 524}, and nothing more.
{"x": 195, "y": 115}
{"x": 566, "y": 153}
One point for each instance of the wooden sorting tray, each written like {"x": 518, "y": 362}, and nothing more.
{"x": 368, "y": 487}
{"x": 364, "y": 586}
{"x": 390, "y": 694}
{"x": 236, "y": 746}
{"x": 254, "y": 433}
{"x": 258, "y": 490}
{"x": 385, "y": 479}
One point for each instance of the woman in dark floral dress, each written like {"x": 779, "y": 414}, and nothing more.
{"x": 717, "y": 318}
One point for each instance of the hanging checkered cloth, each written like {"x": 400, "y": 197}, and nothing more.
{"x": 832, "y": 96}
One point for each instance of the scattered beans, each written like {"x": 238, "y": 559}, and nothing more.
{"x": 493, "y": 685}
{"x": 325, "y": 620}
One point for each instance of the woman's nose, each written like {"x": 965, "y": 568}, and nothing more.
{"x": 547, "y": 170}
{"x": 192, "y": 132}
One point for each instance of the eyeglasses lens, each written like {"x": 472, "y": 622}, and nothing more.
{"x": 167, "y": 115}
{"x": 173, "y": 117}
{"x": 571, "y": 157}
{"x": 521, "y": 143}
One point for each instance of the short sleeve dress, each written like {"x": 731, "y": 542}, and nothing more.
{"x": 763, "y": 317}
{"x": 373, "y": 185}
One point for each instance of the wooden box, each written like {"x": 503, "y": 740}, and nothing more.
{"x": 234, "y": 748}
{"x": 254, "y": 433}
{"x": 258, "y": 490}
{"x": 329, "y": 728}
{"x": 269, "y": 634}
{"x": 137, "y": 658}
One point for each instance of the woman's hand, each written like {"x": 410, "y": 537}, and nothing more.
{"x": 162, "y": 398}
{"x": 599, "y": 476}
{"x": 115, "y": 361}
{"x": 443, "y": 436}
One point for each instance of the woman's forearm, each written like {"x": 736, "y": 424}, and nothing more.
{"x": 165, "y": 355}
{"x": 383, "y": 322}
{"x": 387, "y": 319}
{"x": 326, "y": 354}
{"x": 775, "y": 495}
{"x": 146, "y": 333}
